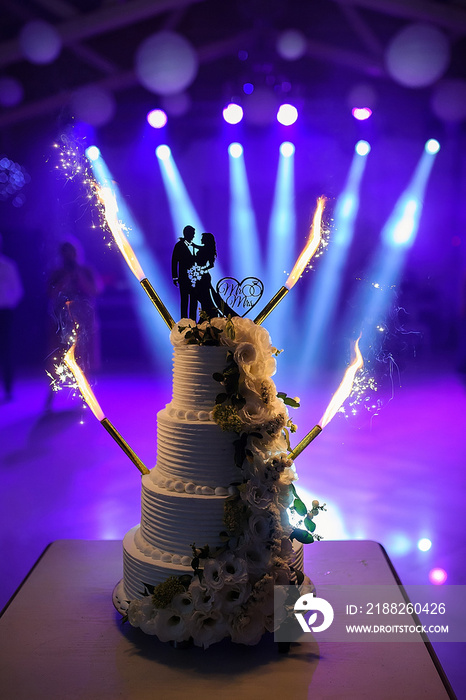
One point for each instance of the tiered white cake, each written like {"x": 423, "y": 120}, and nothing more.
{"x": 214, "y": 536}
{"x": 183, "y": 496}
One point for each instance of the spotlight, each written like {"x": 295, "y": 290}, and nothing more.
{"x": 157, "y": 118}
{"x": 248, "y": 88}
{"x": 287, "y": 149}
{"x": 362, "y": 148}
{"x": 432, "y": 146}
{"x": 424, "y": 544}
{"x": 163, "y": 152}
{"x": 287, "y": 115}
{"x": 235, "y": 150}
{"x": 438, "y": 576}
{"x": 361, "y": 113}
{"x": 92, "y": 153}
{"x": 233, "y": 113}
{"x": 404, "y": 230}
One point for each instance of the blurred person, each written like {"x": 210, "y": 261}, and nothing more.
{"x": 11, "y": 293}
{"x": 72, "y": 290}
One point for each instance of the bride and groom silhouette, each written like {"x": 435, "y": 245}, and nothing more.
{"x": 191, "y": 265}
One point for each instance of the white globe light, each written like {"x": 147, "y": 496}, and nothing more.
{"x": 287, "y": 114}
{"x": 92, "y": 153}
{"x": 157, "y": 118}
{"x": 432, "y": 146}
{"x": 287, "y": 149}
{"x": 235, "y": 150}
{"x": 362, "y": 148}
{"x": 418, "y": 55}
{"x": 163, "y": 152}
{"x": 291, "y": 44}
{"x": 166, "y": 63}
{"x": 233, "y": 113}
{"x": 40, "y": 42}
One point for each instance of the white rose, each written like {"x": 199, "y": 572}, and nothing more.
{"x": 207, "y": 628}
{"x": 177, "y": 336}
{"x": 140, "y": 611}
{"x": 245, "y": 354}
{"x": 247, "y": 627}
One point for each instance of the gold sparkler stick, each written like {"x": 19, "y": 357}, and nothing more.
{"x": 268, "y": 308}
{"x": 157, "y": 302}
{"x": 108, "y": 200}
{"x": 304, "y": 258}
{"x": 110, "y": 428}
{"x": 337, "y": 400}
{"x": 89, "y": 397}
{"x": 307, "y": 439}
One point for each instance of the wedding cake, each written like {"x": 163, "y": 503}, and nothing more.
{"x": 215, "y": 535}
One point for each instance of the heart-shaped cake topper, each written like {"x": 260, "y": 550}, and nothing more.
{"x": 240, "y": 297}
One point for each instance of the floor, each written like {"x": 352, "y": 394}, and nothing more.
{"x": 395, "y": 477}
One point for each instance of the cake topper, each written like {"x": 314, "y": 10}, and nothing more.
{"x": 191, "y": 266}
{"x": 240, "y": 296}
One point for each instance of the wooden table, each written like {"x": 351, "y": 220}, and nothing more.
{"x": 62, "y": 639}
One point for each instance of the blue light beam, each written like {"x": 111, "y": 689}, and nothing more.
{"x": 154, "y": 331}
{"x": 182, "y": 209}
{"x": 244, "y": 237}
{"x": 398, "y": 235}
{"x": 325, "y": 290}
{"x": 282, "y": 244}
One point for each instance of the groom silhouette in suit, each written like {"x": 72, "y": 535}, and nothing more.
{"x": 182, "y": 260}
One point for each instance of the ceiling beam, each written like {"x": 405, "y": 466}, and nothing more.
{"x": 447, "y": 16}
{"x": 106, "y": 19}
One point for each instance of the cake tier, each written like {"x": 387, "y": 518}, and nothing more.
{"x": 193, "y": 385}
{"x": 194, "y": 450}
{"x": 172, "y": 521}
{"x": 145, "y": 565}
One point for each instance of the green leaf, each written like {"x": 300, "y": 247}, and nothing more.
{"x": 299, "y": 507}
{"x": 220, "y": 398}
{"x": 309, "y": 524}
{"x": 217, "y": 376}
{"x": 302, "y": 536}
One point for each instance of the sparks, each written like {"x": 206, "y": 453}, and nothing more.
{"x": 107, "y": 198}
{"x": 344, "y": 390}
{"x": 315, "y": 236}
{"x": 83, "y": 384}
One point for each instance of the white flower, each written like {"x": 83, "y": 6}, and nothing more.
{"x": 256, "y": 493}
{"x": 182, "y": 603}
{"x": 244, "y": 355}
{"x": 257, "y": 557}
{"x": 177, "y": 336}
{"x": 248, "y": 626}
{"x": 213, "y": 574}
{"x": 234, "y": 568}
{"x": 140, "y": 611}
{"x": 260, "y": 527}
{"x": 207, "y": 628}
{"x": 170, "y": 626}
{"x": 203, "y": 598}
{"x": 232, "y": 597}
